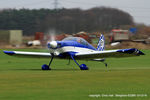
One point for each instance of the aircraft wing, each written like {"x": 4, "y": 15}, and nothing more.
{"x": 110, "y": 54}
{"x": 29, "y": 54}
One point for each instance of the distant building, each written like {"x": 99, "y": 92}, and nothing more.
{"x": 13, "y": 37}
{"x": 118, "y": 35}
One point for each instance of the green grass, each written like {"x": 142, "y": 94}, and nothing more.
{"x": 23, "y": 79}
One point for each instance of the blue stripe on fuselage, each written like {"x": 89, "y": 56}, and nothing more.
{"x": 75, "y": 44}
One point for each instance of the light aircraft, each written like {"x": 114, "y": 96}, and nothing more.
{"x": 77, "y": 48}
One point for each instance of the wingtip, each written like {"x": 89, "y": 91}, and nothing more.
{"x": 9, "y": 52}
{"x": 131, "y": 50}
{"x": 140, "y": 53}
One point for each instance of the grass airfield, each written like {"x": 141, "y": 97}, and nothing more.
{"x": 23, "y": 79}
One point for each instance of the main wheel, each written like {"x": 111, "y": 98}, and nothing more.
{"x": 45, "y": 67}
{"x": 83, "y": 67}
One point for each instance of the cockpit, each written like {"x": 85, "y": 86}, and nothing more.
{"x": 77, "y": 39}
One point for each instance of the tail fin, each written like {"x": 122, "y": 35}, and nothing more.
{"x": 101, "y": 43}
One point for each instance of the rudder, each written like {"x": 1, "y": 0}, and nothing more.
{"x": 101, "y": 43}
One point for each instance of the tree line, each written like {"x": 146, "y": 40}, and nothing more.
{"x": 63, "y": 20}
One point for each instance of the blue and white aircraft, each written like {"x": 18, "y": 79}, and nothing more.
{"x": 77, "y": 48}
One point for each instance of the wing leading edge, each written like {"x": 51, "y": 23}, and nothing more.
{"x": 110, "y": 54}
{"x": 31, "y": 54}
{"x": 93, "y": 55}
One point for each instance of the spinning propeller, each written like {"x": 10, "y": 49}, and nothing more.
{"x": 52, "y": 45}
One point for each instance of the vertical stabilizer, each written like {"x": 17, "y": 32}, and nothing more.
{"x": 101, "y": 43}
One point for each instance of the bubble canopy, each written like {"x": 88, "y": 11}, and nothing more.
{"x": 77, "y": 39}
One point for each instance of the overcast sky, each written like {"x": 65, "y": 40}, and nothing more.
{"x": 139, "y": 9}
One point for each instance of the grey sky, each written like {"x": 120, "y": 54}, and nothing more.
{"x": 139, "y": 9}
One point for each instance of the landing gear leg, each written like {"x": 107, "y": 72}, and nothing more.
{"x": 69, "y": 62}
{"x": 47, "y": 67}
{"x": 82, "y": 66}
{"x": 105, "y": 64}
{"x": 103, "y": 61}
{"x": 51, "y": 60}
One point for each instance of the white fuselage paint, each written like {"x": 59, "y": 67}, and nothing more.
{"x": 71, "y": 49}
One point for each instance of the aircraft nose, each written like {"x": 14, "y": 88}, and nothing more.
{"x": 52, "y": 44}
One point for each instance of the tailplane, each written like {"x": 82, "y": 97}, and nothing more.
{"x": 101, "y": 43}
